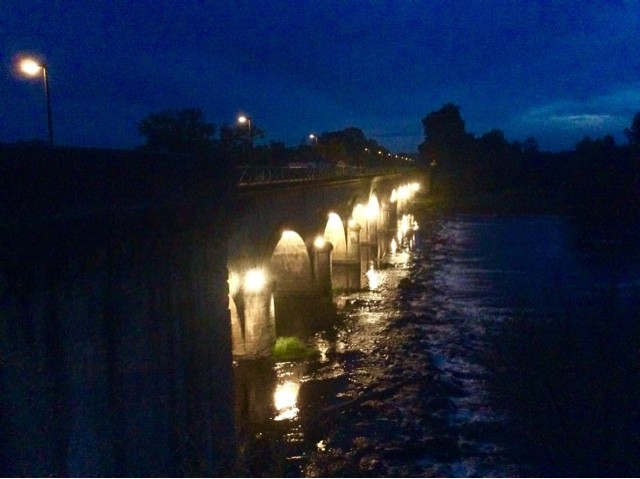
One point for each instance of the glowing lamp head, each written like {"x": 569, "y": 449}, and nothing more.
{"x": 254, "y": 280}
{"x": 243, "y": 119}
{"x": 30, "y": 67}
{"x": 319, "y": 242}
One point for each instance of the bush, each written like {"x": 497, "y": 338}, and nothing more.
{"x": 290, "y": 348}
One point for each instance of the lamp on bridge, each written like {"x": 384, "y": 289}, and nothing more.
{"x": 31, "y": 67}
{"x": 314, "y": 138}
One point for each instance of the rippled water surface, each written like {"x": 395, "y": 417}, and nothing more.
{"x": 402, "y": 386}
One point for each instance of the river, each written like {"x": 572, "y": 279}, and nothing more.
{"x": 404, "y": 384}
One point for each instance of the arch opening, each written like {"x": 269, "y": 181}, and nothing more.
{"x": 291, "y": 271}
{"x": 334, "y": 233}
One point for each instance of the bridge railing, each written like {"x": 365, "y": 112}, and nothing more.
{"x": 255, "y": 175}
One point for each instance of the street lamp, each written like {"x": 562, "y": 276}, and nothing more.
{"x": 31, "y": 68}
{"x": 314, "y": 138}
{"x": 242, "y": 119}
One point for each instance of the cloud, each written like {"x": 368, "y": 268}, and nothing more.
{"x": 561, "y": 124}
{"x": 584, "y": 120}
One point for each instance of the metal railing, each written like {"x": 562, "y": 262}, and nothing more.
{"x": 257, "y": 175}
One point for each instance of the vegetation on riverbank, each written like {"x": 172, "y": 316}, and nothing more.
{"x": 290, "y": 348}
{"x": 598, "y": 181}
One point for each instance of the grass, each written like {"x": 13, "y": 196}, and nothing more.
{"x": 290, "y": 348}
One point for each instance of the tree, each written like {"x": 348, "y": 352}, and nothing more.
{"x": 178, "y": 131}
{"x": 446, "y": 141}
{"x": 633, "y": 133}
{"x": 530, "y": 145}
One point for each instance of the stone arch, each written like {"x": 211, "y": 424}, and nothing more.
{"x": 290, "y": 264}
{"x": 335, "y": 233}
{"x": 290, "y": 270}
{"x": 367, "y": 216}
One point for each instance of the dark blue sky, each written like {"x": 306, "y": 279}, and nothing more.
{"x": 555, "y": 70}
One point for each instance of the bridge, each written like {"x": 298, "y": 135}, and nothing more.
{"x": 129, "y": 281}
{"x": 295, "y": 243}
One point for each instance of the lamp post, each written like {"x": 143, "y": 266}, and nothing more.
{"x": 314, "y": 138}
{"x": 30, "y": 67}
{"x": 242, "y": 119}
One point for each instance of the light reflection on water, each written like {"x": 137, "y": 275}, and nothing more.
{"x": 464, "y": 274}
{"x": 285, "y": 400}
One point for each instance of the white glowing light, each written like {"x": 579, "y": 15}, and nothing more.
{"x": 255, "y": 280}
{"x": 374, "y": 278}
{"x": 234, "y": 283}
{"x": 319, "y": 242}
{"x": 289, "y": 235}
{"x": 285, "y": 399}
{"x": 405, "y": 225}
{"x": 373, "y": 208}
{"x": 30, "y": 67}
{"x": 394, "y": 246}
{"x": 415, "y": 187}
{"x": 394, "y": 196}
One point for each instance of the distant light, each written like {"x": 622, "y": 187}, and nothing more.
{"x": 312, "y": 136}
{"x": 255, "y": 280}
{"x": 242, "y": 119}
{"x": 394, "y": 246}
{"x": 373, "y": 208}
{"x": 30, "y": 67}
{"x": 319, "y": 242}
{"x": 404, "y": 192}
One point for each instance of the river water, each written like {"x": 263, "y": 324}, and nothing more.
{"x": 402, "y": 386}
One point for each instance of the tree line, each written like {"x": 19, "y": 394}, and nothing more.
{"x": 596, "y": 179}
{"x": 188, "y": 131}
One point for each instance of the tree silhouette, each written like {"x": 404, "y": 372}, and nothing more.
{"x": 178, "y": 131}
{"x": 633, "y": 133}
{"x": 446, "y": 141}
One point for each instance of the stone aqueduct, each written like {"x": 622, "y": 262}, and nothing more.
{"x": 294, "y": 244}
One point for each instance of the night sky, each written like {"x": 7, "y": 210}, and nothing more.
{"x": 554, "y": 70}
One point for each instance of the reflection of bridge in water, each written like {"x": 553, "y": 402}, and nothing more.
{"x": 128, "y": 280}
